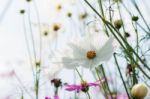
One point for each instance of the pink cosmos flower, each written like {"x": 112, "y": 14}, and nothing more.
{"x": 84, "y": 86}
{"x": 55, "y": 97}
{"x": 8, "y": 74}
{"x": 118, "y": 96}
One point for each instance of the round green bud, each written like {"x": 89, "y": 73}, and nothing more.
{"x": 135, "y": 18}
{"x": 22, "y": 11}
{"x": 118, "y": 24}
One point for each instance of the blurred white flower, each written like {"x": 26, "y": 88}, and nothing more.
{"x": 52, "y": 71}
{"x": 88, "y": 51}
{"x": 50, "y": 30}
{"x": 54, "y": 8}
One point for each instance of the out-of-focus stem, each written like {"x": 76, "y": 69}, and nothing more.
{"x": 121, "y": 75}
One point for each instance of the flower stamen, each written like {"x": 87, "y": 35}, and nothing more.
{"x": 91, "y": 54}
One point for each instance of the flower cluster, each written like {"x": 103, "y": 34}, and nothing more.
{"x": 68, "y": 42}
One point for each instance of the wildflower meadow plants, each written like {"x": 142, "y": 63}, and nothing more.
{"x": 80, "y": 49}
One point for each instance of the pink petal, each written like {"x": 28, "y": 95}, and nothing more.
{"x": 97, "y": 83}
{"x": 73, "y": 87}
{"x": 47, "y": 97}
{"x": 56, "y": 97}
{"x": 93, "y": 84}
{"x": 120, "y": 96}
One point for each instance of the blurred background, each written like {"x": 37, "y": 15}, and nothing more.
{"x": 49, "y": 24}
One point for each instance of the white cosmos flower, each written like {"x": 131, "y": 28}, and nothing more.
{"x": 88, "y": 51}
{"x": 52, "y": 71}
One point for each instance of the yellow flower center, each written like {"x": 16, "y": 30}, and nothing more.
{"x": 91, "y": 54}
{"x": 59, "y": 7}
{"x": 56, "y": 27}
{"x": 84, "y": 83}
{"x": 85, "y": 86}
{"x": 82, "y": 16}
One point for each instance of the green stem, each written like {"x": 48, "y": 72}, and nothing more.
{"x": 127, "y": 44}
{"x": 88, "y": 94}
{"x": 56, "y": 91}
{"x": 39, "y": 27}
{"x": 37, "y": 88}
{"x": 82, "y": 80}
{"x": 28, "y": 46}
{"x": 121, "y": 17}
{"x": 102, "y": 11}
{"x": 74, "y": 76}
{"x": 137, "y": 23}
{"x": 79, "y": 74}
{"x": 106, "y": 81}
{"x": 32, "y": 36}
{"x": 129, "y": 54}
{"x": 121, "y": 75}
{"x": 137, "y": 8}
{"x": 109, "y": 25}
{"x": 101, "y": 83}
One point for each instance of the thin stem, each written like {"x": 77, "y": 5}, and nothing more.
{"x": 24, "y": 88}
{"x": 109, "y": 25}
{"x": 82, "y": 80}
{"x": 88, "y": 94}
{"x": 34, "y": 53}
{"x": 137, "y": 8}
{"x": 31, "y": 31}
{"x": 56, "y": 91}
{"x": 102, "y": 11}
{"x": 130, "y": 55}
{"x": 129, "y": 46}
{"x": 74, "y": 77}
{"x": 121, "y": 75}
{"x": 79, "y": 74}
{"x": 137, "y": 38}
{"x": 5, "y": 9}
{"x": 121, "y": 17}
{"x": 101, "y": 83}
{"x": 137, "y": 22}
{"x": 28, "y": 47}
{"x": 106, "y": 81}
{"x": 39, "y": 27}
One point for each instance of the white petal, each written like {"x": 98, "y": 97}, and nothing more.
{"x": 78, "y": 51}
{"x": 107, "y": 50}
{"x": 52, "y": 71}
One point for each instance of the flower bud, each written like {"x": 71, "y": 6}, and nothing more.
{"x": 135, "y": 18}
{"x": 22, "y": 11}
{"x": 45, "y": 33}
{"x": 118, "y": 24}
{"x": 37, "y": 63}
{"x": 117, "y": 1}
{"x": 28, "y": 0}
{"x": 127, "y": 34}
{"x": 139, "y": 91}
{"x": 69, "y": 14}
{"x": 57, "y": 82}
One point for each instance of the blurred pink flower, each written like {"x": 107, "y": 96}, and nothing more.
{"x": 7, "y": 97}
{"x": 47, "y": 97}
{"x": 8, "y": 74}
{"x": 82, "y": 87}
{"x": 55, "y": 97}
{"x": 119, "y": 96}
